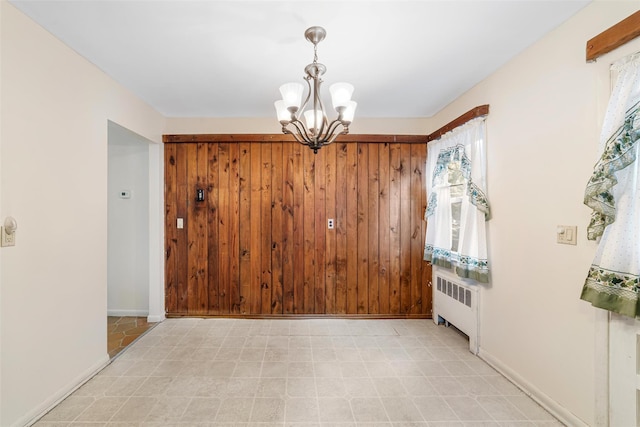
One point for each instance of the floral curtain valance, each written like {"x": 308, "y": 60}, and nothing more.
{"x": 457, "y": 206}
{"x": 613, "y": 194}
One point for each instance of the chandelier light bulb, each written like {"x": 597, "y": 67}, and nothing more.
{"x": 292, "y": 94}
{"x": 283, "y": 114}
{"x": 349, "y": 112}
{"x": 313, "y": 125}
{"x": 340, "y": 94}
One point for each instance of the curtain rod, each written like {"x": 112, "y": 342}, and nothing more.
{"x": 614, "y": 37}
{"x": 479, "y": 111}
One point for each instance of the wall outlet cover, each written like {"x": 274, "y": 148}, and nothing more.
{"x": 7, "y": 239}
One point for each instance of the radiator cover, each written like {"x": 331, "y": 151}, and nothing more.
{"x": 456, "y": 302}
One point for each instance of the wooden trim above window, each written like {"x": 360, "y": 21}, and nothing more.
{"x": 614, "y": 37}
{"x": 479, "y": 111}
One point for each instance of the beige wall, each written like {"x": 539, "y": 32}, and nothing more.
{"x": 547, "y": 106}
{"x": 53, "y": 180}
{"x": 417, "y": 126}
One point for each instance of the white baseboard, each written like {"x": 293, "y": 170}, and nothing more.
{"x": 32, "y": 416}
{"x": 127, "y": 313}
{"x": 155, "y": 318}
{"x": 557, "y": 410}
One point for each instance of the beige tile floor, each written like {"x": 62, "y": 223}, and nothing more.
{"x": 298, "y": 373}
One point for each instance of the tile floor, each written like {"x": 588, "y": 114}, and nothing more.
{"x": 298, "y": 373}
{"x": 122, "y": 331}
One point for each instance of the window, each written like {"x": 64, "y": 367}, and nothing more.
{"x": 457, "y": 202}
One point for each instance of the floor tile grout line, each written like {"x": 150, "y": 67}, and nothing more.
{"x": 315, "y": 382}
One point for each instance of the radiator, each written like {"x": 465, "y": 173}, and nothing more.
{"x": 456, "y": 303}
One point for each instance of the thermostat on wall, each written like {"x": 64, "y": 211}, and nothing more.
{"x": 125, "y": 194}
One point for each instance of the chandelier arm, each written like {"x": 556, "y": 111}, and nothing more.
{"x": 303, "y": 133}
{"x": 317, "y": 102}
{"x": 332, "y": 129}
{"x": 295, "y": 135}
{"x": 333, "y": 138}
{"x": 306, "y": 100}
{"x": 324, "y": 125}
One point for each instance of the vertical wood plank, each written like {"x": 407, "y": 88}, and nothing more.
{"x": 244, "y": 228}
{"x": 171, "y": 238}
{"x": 427, "y": 289}
{"x": 276, "y": 228}
{"x": 212, "y": 231}
{"x": 426, "y": 267}
{"x": 287, "y": 229}
{"x": 256, "y": 228}
{"x": 394, "y": 228}
{"x": 417, "y": 187}
{"x": 299, "y": 192}
{"x": 192, "y": 229}
{"x": 331, "y": 235}
{"x": 363, "y": 228}
{"x": 405, "y": 229}
{"x": 341, "y": 229}
{"x": 384, "y": 228}
{"x": 374, "y": 229}
{"x": 224, "y": 250}
{"x": 309, "y": 231}
{"x": 352, "y": 218}
{"x": 320, "y": 231}
{"x": 265, "y": 235}
{"x": 198, "y": 292}
{"x": 183, "y": 236}
{"x": 234, "y": 228}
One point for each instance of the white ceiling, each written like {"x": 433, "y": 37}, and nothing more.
{"x": 227, "y": 58}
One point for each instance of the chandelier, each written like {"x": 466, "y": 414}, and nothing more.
{"x": 316, "y": 131}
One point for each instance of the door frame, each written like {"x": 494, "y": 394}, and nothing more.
{"x": 156, "y": 310}
{"x": 156, "y": 233}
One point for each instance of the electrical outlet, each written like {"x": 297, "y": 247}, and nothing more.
{"x": 7, "y": 239}
{"x": 330, "y": 224}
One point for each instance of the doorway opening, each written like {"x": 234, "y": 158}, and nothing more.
{"x": 128, "y": 237}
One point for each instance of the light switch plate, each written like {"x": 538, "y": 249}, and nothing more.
{"x": 567, "y": 234}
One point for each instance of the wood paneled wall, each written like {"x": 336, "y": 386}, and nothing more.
{"x": 259, "y": 243}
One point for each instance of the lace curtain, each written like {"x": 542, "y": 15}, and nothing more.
{"x": 613, "y": 193}
{"x": 457, "y": 206}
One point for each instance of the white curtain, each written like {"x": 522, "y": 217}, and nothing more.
{"x": 613, "y": 192}
{"x": 458, "y": 157}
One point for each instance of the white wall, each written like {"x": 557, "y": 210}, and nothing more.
{"x": 53, "y": 180}
{"x": 546, "y": 107}
{"x": 128, "y": 224}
